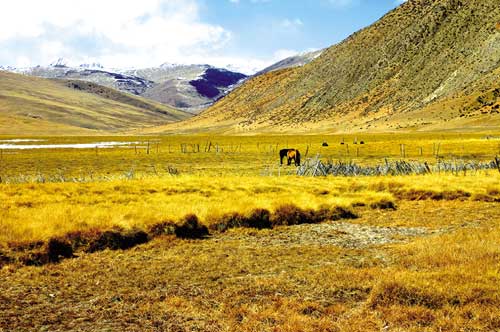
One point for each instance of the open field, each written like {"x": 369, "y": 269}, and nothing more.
{"x": 276, "y": 252}
{"x": 234, "y": 155}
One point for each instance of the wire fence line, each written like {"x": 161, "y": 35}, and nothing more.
{"x": 316, "y": 167}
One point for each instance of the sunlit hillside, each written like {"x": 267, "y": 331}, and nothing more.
{"x": 38, "y": 106}
{"x": 423, "y": 66}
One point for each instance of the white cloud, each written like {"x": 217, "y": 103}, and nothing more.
{"x": 114, "y": 32}
{"x": 289, "y": 23}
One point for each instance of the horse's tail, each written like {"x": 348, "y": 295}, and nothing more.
{"x": 297, "y": 157}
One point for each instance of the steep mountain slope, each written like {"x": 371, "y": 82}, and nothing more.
{"x": 418, "y": 67}
{"x": 173, "y": 85}
{"x": 30, "y": 105}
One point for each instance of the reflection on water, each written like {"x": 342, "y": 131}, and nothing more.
{"x": 21, "y": 140}
{"x": 61, "y": 146}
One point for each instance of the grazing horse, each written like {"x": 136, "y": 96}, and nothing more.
{"x": 290, "y": 154}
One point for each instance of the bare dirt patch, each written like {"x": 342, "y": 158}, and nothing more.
{"x": 342, "y": 234}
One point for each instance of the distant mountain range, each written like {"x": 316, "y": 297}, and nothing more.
{"x": 191, "y": 88}
{"x": 90, "y": 99}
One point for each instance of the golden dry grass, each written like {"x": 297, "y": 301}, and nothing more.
{"x": 429, "y": 265}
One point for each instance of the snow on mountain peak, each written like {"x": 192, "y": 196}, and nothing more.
{"x": 93, "y": 65}
{"x": 61, "y": 62}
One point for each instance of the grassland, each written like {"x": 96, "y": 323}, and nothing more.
{"x": 398, "y": 253}
{"x": 34, "y": 106}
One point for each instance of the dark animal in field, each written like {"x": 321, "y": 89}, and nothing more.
{"x": 290, "y": 154}
{"x": 324, "y": 144}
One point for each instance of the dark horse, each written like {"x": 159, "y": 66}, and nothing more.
{"x": 290, "y": 154}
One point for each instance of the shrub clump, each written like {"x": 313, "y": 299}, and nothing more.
{"x": 58, "y": 249}
{"x": 384, "y": 204}
{"x": 163, "y": 228}
{"x": 227, "y": 221}
{"x": 191, "y": 228}
{"x": 290, "y": 214}
{"x": 258, "y": 218}
{"x": 4, "y": 259}
{"x": 115, "y": 240}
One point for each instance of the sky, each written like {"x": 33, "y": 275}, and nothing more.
{"x": 246, "y": 35}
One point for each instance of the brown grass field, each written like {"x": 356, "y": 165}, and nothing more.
{"x": 226, "y": 240}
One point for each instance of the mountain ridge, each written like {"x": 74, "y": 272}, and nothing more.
{"x": 420, "y": 54}
{"x": 169, "y": 84}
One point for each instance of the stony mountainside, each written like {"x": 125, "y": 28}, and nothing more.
{"x": 174, "y": 85}
{"x": 422, "y": 66}
{"x": 291, "y": 62}
{"x": 189, "y": 87}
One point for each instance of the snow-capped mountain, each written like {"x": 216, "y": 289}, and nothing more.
{"x": 59, "y": 63}
{"x": 188, "y": 87}
{"x": 298, "y": 60}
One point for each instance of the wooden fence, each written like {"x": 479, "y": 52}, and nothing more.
{"x": 316, "y": 167}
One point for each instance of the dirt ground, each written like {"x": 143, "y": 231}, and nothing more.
{"x": 300, "y": 278}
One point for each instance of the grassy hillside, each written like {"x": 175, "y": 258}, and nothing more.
{"x": 31, "y": 105}
{"x": 425, "y": 54}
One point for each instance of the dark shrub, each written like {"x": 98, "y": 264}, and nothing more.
{"x": 289, "y": 214}
{"x": 260, "y": 219}
{"x": 163, "y": 228}
{"x": 383, "y": 205}
{"x": 191, "y": 229}
{"x": 338, "y": 213}
{"x": 82, "y": 239}
{"x": 35, "y": 259}
{"x": 133, "y": 238}
{"x": 115, "y": 240}
{"x": 25, "y": 246}
{"x": 4, "y": 259}
{"x": 107, "y": 240}
{"x": 227, "y": 221}
{"x": 57, "y": 249}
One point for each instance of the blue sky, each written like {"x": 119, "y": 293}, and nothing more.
{"x": 244, "y": 34}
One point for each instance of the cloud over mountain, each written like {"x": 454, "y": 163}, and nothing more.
{"x": 116, "y": 32}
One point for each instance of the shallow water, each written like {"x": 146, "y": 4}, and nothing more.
{"x": 62, "y": 146}
{"x": 21, "y": 140}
